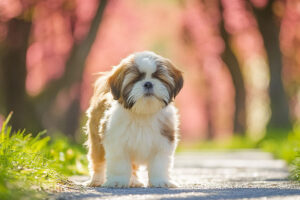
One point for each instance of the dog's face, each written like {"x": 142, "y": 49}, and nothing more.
{"x": 145, "y": 82}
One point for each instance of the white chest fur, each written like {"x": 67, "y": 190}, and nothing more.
{"x": 136, "y": 136}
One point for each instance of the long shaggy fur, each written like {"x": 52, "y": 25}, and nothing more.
{"x": 132, "y": 121}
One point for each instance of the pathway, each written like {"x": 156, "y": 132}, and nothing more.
{"x": 245, "y": 174}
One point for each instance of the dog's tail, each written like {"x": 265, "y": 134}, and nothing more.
{"x": 99, "y": 104}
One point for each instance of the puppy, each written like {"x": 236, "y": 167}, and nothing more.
{"x": 132, "y": 121}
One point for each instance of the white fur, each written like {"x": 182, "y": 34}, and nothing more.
{"x": 135, "y": 135}
{"x": 132, "y": 138}
{"x": 141, "y": 103}
{"x": 146, "y": 62}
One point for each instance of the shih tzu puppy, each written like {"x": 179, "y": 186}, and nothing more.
{"x": 132, "y": 121}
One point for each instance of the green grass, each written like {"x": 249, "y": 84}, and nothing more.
{"x": 295, "y": 172}
{"x": 285, "y": 146}
{"x": 30, "y": 167}
{"x": 69, "y": 158}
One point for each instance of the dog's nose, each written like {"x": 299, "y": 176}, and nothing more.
{"x": 148, "y": 85}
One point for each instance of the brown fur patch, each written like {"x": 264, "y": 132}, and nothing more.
{"x": 127, "y": 89}
{"x": 98, "y": 105}
{"x": 168, "y": 131}
{"x": 116, "y": 82}
{"x": 160, "y": 74}
{"x": 135, "y": 169}
{"x": 176, "y": 74}
{"x": 173, "y": 89}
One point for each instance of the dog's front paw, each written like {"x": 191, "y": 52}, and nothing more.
{"x": 134, "y": 182}
{"x": 162, "y": 183}
{"x": 96, "y": 180}
{"x": 93, "y": 183}
{"x": 116, "y": 182}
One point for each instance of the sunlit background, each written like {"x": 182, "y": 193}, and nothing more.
{"x": 240, "y": 58}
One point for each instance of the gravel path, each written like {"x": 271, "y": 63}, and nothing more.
{"x": 246, "y": 174}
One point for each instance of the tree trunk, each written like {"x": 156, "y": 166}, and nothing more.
{"x": 2, "y": 83}
{"x": 210, "y": 130}
{"x": 280, "y": 117}
{"x": 238, "y": 82}
{"x": 13, "y": 51}
{"x": 13, "y": 69}
{"x": 72, "y": 75}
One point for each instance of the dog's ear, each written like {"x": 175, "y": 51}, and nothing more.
{"x": 115, "y": 81}
{"x": 176, "y": 75}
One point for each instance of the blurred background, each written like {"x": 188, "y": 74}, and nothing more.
{"x": 240, "y": 58}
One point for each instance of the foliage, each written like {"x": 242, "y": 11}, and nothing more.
{"x": 70, "y": 158}
{"x": 287, "y": 148}
{"x": 30, "y": 167}
{"x": 296, "y": 166}
{"x": 283, "y": 145}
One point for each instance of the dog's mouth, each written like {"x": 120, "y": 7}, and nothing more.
{"x": 149, "y": 93}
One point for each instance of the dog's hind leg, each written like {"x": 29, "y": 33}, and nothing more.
{"x": 96, "y": 166}
{"x": 96, "y": 154}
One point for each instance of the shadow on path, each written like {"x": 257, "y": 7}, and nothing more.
{"x": 165, "y": 193}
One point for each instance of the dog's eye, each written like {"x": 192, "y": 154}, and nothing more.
{"x": 140, "y": 76}
{"x": 159, "y": 72}
{"x": 135, "y": 74}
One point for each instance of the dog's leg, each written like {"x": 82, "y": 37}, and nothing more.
{"x": 118, "y": 170}
{"x": 134, "y": 180}
{"x": 96, "y": 165}
{"x": 158, "y": 170}
{"x": 96, "y": 154}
